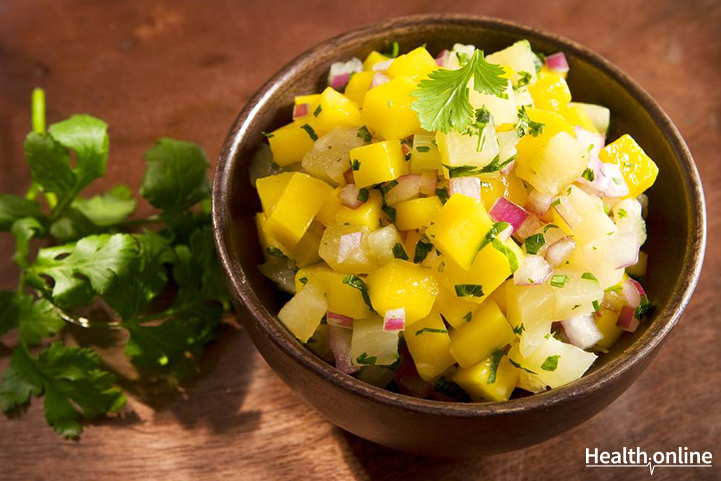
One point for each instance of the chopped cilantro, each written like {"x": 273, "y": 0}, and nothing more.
{"x": 588, "y": 175}
{"x": 469, "y": 290}
{"x": 559, "y": 280}
{"x": 493, "y": 370}
{"x": 358, "y": 283}
{"x": 422, "y": 250}
{"x": 423, "y": 148}
{"x": 551, "y": 363}
{"x": 519, "y": 330}
{"x": 364, "y": 134}
{"x": 366, "y": 359}
{"x": 520, "y": 367}
{"x": 363, "y": 195}
{"x": 303, "y": 280}
{"x": 355, "y": 165}
{"x": 399, "y": 252}
{"x": 622, "y": 213}
{"x": 468, "y": 316}
{"x": 589, "y": 276}
{"x": 274, "y": 251}
{"x": 317, "y": 111}
{"x": 311, "y": 132}
{"x": 442, "y": 194}
{"x": 429, "y": 329}
{"x": 534, "y": 243}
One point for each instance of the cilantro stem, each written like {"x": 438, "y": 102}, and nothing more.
{"x": 38, "y": 111}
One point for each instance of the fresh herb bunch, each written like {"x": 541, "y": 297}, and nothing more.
{"x": 91, "y": 255}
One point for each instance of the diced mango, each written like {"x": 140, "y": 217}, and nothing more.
{"x": 296, "y": 208}
{"x": 291, "y": 142}
{"x": 270, "y": 189}
{"x": 519, "y": 57}
{"x": 428, "y": 342}
{"x": 378, "y": 162}
{"x": 550, "y": 92}
{"x": 500, "y": 297}
{"x": 508, "y": 186}
{"x": 403, "y": 284}
{"x": 369, "y": 214}
{"x": 606, "y": 323}
{"x": 267, "y": 243}
{"x": 332, "y": 110}
{"x": 358, "y": 86}
{"x": 477, "y": 381}
{"x": 387, "y": 109}
{"x": 306, "y": 99}
{"x": 305, "y": 252}
{"x": 577, "y": 116}
{"x": 488, "y": 271}
{"x": 374, "y": 58}
{"x": 487, "y": 332}
{"x": 638, "y": 169}
{"x": 529, "y": 145}
{"x": 459, "y": 228}
{"x": 411, "y": 239}
{"x": 326, "y": 214}
{"x": 342, "y": 298}
{"x": 417, "y": 62}
{"x": 457, "y": 312}
{"x": 417, "y": 213}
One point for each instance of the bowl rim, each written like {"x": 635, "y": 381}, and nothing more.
{"x": 606, "y": 375}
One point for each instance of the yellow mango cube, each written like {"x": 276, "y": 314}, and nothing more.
{"x": 428, "y": 342}
{"x": 417, "y": 213}
{"x": 550, "y": 92}
{"x": 296, "y": 208}
{"x": 326, "y": 214}
{"x": 305, "y": 253}
{"x": 481, "y": 386}
{"x": 577, "y": 116}
{"x": 270, "y": 189}
{"x": 374, "y": 58}
{"x": 270, "y": 246}
{"x": 500, "y": 297}
{"x": 332, "y": 110}
{"x": 417, "y": 62}
{"x": 342, "y": 298}
{"x": 529, "y": 146}
{"x": 387, "y": 109}
{"x": 369, "y": 214}
{"x": 377, "y": 162}
{"x": 358, "y": 86}
{"x": 488, "y": 271}
{"x": 459, "y": 229}
{"x": 291, "y": 142}
{"x": 403, "y": 284}
{"x": 508, "y": 186}
{"x": 638, "y": 169}
{"x": 487, "y": 332}
{"x": 606, "y": 323}
{"x": 306, "y": 99}
{"x": 457, "y": 312}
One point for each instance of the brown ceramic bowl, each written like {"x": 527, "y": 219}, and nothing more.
{"x": 676, "y": 242}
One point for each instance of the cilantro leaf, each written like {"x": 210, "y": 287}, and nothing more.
{"x": 14, "y": 208}
{"x": 9, "y": 311}
{"x": 175, "y": 177}
{"x": 36, "y": 319}
{"x": 493, "y": 370}
{"x": 358, "y": 283}
{"x": 442, "y": 99}
{"x": 23, "y": 230}
{"x": 49, "y": 165}
{"x": 550, "y": 364}
{"x": 109, "y": 208}
{"x": 88, "y": 138}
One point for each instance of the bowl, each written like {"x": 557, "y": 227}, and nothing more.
{"x": 676, "y": 243}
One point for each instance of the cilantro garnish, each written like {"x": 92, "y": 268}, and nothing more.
{"x": 358, "y": 283}
{"x": 364, "y": 134}
{"x": 430, "y": 329}
{"x": 311, "y": 133}
{"x": 317, "y": 111}
{"x": 442, "y": 194}
{"x": 551, "y": 363}
{"x": 495, "y": 361}
{"x": 399, "y": 252}
{"x": 422, "y": 250}
{"x": 442, "y": 99}
{"x": 519, "y": 330}
{"x": 469, "y": 290}
{"x": 355, "y": 165}
{"x": 559, "y": 280}
{"x": 534, "y": 243}
{"x": 364, "y": 358}
{"x": 622, "y": 213}
{"x": 303, "y": 280}
{"x": 589, "y": 276}
{"x": 468, "y": 317}
{"x": 274, "y": 251}
{"x": 423, "y": 148}
{"x": 363, "y": 194}
{"x": 520, "y": 367}
{"x": 588, "y": 175}
{"x": 527, "y": 126}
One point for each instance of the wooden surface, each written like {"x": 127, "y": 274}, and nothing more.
{"x": 184, "y": 69}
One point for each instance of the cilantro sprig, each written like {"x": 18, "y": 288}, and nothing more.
{"x": 77, "y": 253}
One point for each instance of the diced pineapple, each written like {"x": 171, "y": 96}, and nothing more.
{"x": 627, "y": 217}
{"x": 559, "y": 163}
{"x": 305, "y": 253}
{"x": 403, "y": 284}
{"x": 529, "y": 146}
{"x": 428, "y": 342}
{"x": 459, "y": 149}
{"x": 594, "y": 223}
{"x": 417, "y": 213}
{"x": 333, "y": 110}
{"x": 638, "y": 169}
{"x": 270, "y": 189}
{"x": 507, "y": 141}
{"x": 530, "y": 312}
{"x": 426, "y": 155}
{"x": 600, "y": 116}
{"x": 504, "y": 185}
{"x": 294, "y": 211}
{"x": 606, "y": 323}
{"x": 329, "y": 159}
{"x": 555, "y": 363}
{"x": 459, "y": 229}
{"x": 355, "y": 261}
{"x": 574, "y": 295}
{"x": 479, "y": 384}
{"x": 550, "y": 92}
{"x": 369, "y": 214}
{"x": 502, "y": 109}
{"x": 487, "y": 332}
{"x": 378, "y": 162}
{"x": 291, "y": 142}
{"x": 374, "y": 58}
{"x": 303, "y": 313}
{"x": 519, "y": 57}
{"x": 387, "y": 109}
{"x": 358, "y": 86}
{"x": 456, "y": 311}
{"x": 487, "y": 272}
{"x": 417, "y": 62}
{"x": 597, "y": 257}
{"x": 281, "y": 272}
{"x": 371, "y": 345}
{"x": 342, "y": 298}
{"x": 381, "y": 243}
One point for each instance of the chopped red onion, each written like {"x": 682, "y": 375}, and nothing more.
{"x": 348, "y": 245}
{"x": 382, "y": 66}
{"x": 639, "y": 288}
{"x": 631, "y": 295}
{"x": 468, "y": 186}
{"x": 428, "y": 182}
{"x": 339, "y": 81}
{"x": 534, "y": 270}
{"x": 504, "y": 210}
{"x": 300, "y": 111}
{"x": 340, "y": 72}
{"x": 339, "y": 340}
{"x": 582, "y": 331}
{"x": 592, "y": 142}
{"x": 529, "y": 227}
{"x": 442, "y": 58}
{"x": 408, "y": 188}
{"x": 395, "y": 319}
{"x": 567, "y": 212}
{"x": 538, "y": 202}
{"x": 557, "y": 63}
{"x": 339, "y": 320}
{"x": 627, "y": 319}
{"x": 348, "y": 196}
{"x": 348, "y": 176}
{"x": 559, "y": 252}
{"x": 600, "y": 183}
{"x": 379, "y": 79}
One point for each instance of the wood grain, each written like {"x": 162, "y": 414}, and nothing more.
{"x": 184, "y": 69}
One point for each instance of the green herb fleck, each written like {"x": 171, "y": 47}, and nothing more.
{"x": 355, "y": 165}
{"x": 364, "y": 134}
{"x": 423, "y": 148}
{"x": 366, "y": 359}
{"x": 495, "y": 361}
{"x": 442, "y": 194}
{"x": 399, "y": 252}
{"x": 274, "y": 251}
{"x": 588, "y": 175}
{"x": 311, "y": 132}
{"x": 469, "y": 290}
{"x": 534, "y": 243}
{"x": 363, "y": 195}
{"x": 422, "y": 250}
{"x": 429, "y": 329}
{"x": 519, "y": 330}
{"x": 589, "y": 276}
{"x": 550, "y": 364}
{"x": 358, "y": 283}
{"x": 559, "y": 280}
{"x": 468, "y": 316}
{"x": 318, "y": 111}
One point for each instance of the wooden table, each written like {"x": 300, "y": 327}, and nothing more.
{"x": 184, "y": 69}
